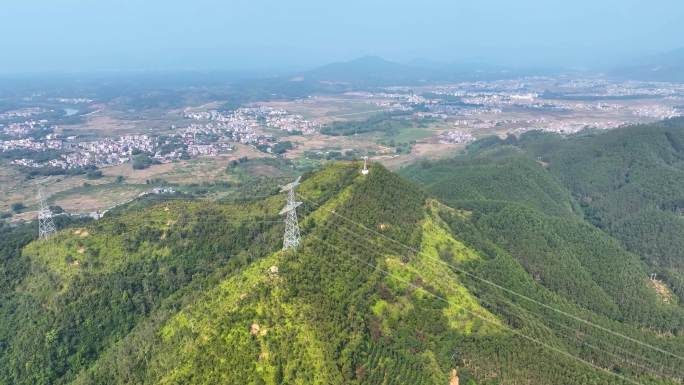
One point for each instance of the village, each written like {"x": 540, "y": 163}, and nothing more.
{"x": 467, "y": 110}
{"x": 208, "y": 133}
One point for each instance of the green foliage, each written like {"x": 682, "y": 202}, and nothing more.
{"x": 91, "y": 285}
{"x": 56, "y": 209}
{"x": 177, "y": 292}
{"x": 626, "y": 182}
{"x": 38, "y": 156}
{"x": 18, "y": 207}
{"x": 496, "y": 176}
{"x": 282, "y": 147}
{"x": 386, "y": 122}
{"x": 523, "y": 205}
{"x": 332, "y": 155}
{"x": 143, "y": 161}
{"x": 630, "y": 183}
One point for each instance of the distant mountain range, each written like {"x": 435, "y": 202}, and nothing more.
{"x": 376, "y": 71}
{"x": 368, "y": 69}
{"x": 663, "y": 67}
{"x": 373, "y": 71}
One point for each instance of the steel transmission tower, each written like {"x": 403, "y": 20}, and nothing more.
{"x": 291, "y": 237}
{"x": 46, "y": 227}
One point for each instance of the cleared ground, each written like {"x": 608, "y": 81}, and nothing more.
{"x": 198, "y": 170}
{"x": 325, "y": 109}
{"x": 78, "y": 194}
{"x": 16, "y": 188}
{"x": 96, "y": 198}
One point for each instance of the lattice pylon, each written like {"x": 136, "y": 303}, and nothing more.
{"x": 291, "y": 236}
{"x": 46, "y": 227}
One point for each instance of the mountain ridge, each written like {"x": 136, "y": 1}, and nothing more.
{"x": 668, "y": 66}
{"x": 383, "y": 289}
{"x": 369, "y": 71}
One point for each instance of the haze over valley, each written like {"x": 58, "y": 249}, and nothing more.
{"x": 355, "y": 193}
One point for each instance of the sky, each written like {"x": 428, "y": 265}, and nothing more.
{"x": 232, "y": 35}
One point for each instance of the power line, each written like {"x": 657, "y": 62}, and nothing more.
{"x": 531, "y": 338}
{"x": 207, "y": 199}
{"x": 486, "y": 319}
{"x": 480, "y": 300}
{"x": 362, "y": 113}
{"x": 484, "y": 280}
{"x": 572, "y": 316}
{"x": 291, "y": 199}
{"x": 128, "y": 227}
{"x": 491, "y": 283}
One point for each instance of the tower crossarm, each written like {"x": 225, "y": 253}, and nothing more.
{"x": 289, "y": 208}
{"x": 290, "y": 186}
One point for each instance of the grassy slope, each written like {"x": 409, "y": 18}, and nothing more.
{"x": 524, "y": 209}
{"x": 519, "y": 209}
{"x": 178, "y": 299}
{"x": 311, "y": 312}
{"x": 328, "y": 317}
{"x": 89, "y": 286}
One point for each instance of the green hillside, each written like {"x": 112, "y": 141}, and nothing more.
{"x": 389, "y": 286}
{"x": 524, "y": 209}
{"x": 89, "y": 286}
{"x": 630, "y": 183}
{"x": 502, "y": 174}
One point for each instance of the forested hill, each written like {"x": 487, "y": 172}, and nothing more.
{"x": 629, "y": 183}
{"x": 388, "y": 286}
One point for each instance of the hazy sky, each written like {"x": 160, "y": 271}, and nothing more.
{"x": 77, "y": 35}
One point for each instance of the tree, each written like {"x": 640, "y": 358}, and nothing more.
{"x": 56, "y": 209}
{"x": 143, "y": 161}
{"x": 18, "y": 207}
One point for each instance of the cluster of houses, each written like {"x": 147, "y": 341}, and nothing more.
{"x": 282, "y": 120}
{"x": 76, "y": 154}
{"x": 20, "y": 129}
{"x": 246, "y": 120}
{"x": 215, "y": 134}
{"x": 456, "y": 136}
{"x": 22, "y": 113}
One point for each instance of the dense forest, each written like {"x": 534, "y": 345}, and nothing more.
{"x": 386, "y": 122}
{"x": 510, "y": 264}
